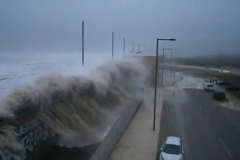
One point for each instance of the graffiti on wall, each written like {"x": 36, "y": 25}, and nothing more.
{"x": 31, "y": 133}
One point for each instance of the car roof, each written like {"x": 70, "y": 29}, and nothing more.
{"x": 173, "y": 140}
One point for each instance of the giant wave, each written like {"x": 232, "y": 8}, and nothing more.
{"x": 80, "y": 109}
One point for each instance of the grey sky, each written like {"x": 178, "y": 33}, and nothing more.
{"x": 200, "y": 26}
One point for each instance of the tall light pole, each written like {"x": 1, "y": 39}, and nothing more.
{"x": 82, "y": 43}
{"x": 156, "y": 74}
{"x": 112, "y": 43}
{"x": 123, "y": 44}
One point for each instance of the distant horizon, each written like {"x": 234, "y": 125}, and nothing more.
{"x": 105, "y": 54}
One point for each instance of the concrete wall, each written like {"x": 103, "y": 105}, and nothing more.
{"x": 110, "y": 141}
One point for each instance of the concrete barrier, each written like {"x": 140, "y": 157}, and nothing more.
{"x": 110, "y": 141}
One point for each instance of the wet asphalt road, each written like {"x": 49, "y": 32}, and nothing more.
{"x": 208, "y": 131}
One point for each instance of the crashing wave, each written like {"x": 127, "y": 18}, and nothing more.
{"x": 78, "y": 109}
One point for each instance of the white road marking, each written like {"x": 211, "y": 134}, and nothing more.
{"x": 225, "y": 147}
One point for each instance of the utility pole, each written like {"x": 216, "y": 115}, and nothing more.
{"x": 112, "y": 43}
{"x": 123, "y": 44}
{"x": 82, "y": 43}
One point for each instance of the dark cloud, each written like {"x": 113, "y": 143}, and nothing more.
{"x": 200, "y": 27}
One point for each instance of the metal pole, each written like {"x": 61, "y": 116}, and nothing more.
{"x": 156, "y": 77}
{"x": 112, "y": 43}
{"x": 155, "y": 87}
{"x": 82, "y": 43}
{"x": 139, "y": 47}
{"x": 123, "y": 44}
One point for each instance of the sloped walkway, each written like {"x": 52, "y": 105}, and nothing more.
{"x": 139, "y": 142}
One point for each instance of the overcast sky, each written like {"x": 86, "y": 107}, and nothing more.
{"x": 200, "y": 26}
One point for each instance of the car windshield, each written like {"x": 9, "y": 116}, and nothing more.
{"x": 172, "y": 149}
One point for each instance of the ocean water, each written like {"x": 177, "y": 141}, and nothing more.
{"x": 23, "y": 69}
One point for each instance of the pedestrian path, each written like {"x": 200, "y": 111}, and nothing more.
{"x": 139, "y": 141}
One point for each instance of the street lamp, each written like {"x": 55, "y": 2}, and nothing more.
{"x": 123, "y": 44}
{"x": 156, "y": 74}
{"x": 112, "y": 43}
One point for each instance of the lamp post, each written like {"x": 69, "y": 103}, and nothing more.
{"x": 123, "y": 44}
{"x": 82, "y": 43}
{"x": 112, "y": 43}
{"x": 156, "y": 74}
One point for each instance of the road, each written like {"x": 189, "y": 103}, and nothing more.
{"x": 208, "y": 131}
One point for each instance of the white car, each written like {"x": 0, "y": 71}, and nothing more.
{"x": 172, "y": 149}
{"x": 208, "y": 86}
